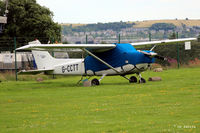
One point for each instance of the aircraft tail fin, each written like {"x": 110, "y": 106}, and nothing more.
{"x": 43, "y": 59}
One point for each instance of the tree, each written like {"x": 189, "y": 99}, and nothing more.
{"x": 26, "y": 18}
{"x": 115, "y": 26}
{"x": 162, "y": 26}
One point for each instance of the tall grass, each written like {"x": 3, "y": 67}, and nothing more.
{"x": 10, "y": 76}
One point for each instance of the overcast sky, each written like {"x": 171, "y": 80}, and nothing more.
{"x": 93, "y": 11}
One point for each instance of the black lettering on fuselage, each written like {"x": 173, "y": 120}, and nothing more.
{"x": 70, "y": 68}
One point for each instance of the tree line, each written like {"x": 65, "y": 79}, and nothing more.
{"x": 115, "y": 26}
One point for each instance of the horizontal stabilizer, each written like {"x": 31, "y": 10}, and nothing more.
{"x": 25, "y": 72}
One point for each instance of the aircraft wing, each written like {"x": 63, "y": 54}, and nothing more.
{"x": 90, "y": 47}
{"x": 94, "y": 47}
{"x": 26, "y": 72}
{"x": 163, "y": 41}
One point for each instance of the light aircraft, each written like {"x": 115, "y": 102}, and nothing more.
{"x": 102, "y": 60}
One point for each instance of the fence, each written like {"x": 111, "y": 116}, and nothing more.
{"x": 10, "y": 60}
{"x": 176, "y": 53}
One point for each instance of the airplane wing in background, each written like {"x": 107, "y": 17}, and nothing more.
{"x": 163, "y": 41}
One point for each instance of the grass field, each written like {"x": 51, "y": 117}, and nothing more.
{"x": 172, "y": 105}
{"x": 149, "y": 23}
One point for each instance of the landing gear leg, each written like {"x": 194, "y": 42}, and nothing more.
{"x": 82, "y": 79}
{"x": 125, "y": 77}
{"x": 102, "y": 77}
{"x": 141, "y": 80}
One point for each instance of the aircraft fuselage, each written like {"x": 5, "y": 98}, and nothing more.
{"x": 124, "y": 58}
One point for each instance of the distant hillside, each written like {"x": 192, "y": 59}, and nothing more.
{"x": 149, "y": 23}
{"x": 114, "y": 26}
{"x": 73, "y": 25}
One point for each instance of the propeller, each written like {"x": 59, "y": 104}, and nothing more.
{"x": 153, "y": 55}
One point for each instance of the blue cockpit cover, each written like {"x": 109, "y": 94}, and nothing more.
{"x": 121, "y": 55}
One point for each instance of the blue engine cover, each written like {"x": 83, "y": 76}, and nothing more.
{"x": 121, "y": 55}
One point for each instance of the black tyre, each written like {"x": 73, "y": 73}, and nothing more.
{"x": 95, "y": 82}
{"x": 142, "y": 80}
{"x": 133, "y": 79}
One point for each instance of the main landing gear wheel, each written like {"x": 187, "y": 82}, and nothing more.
{"x": 133, "y": 79}
{"x": 142, "y": 80}
{"x": 95, "y": 82}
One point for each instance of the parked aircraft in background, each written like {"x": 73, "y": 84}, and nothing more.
{"x": 102, "y": 60}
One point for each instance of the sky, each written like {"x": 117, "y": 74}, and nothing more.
{"x": 94, "y": 11}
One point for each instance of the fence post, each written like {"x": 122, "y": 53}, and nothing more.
{"x": 53, "y": 41}
{"x": 149, "y": 35}
{"x": 178, "y": 52}
{"x": 15, "y": 46}
{"x": 119, "y": 38}
{"x": 198, "y": 38}
{"x": 86, "y": 39}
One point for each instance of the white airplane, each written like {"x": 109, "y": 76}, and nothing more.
{"x": 102, "y": 60}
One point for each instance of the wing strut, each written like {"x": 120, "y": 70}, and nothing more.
{"x": 87, "y": 51}
{"x": 153, "y": 47}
